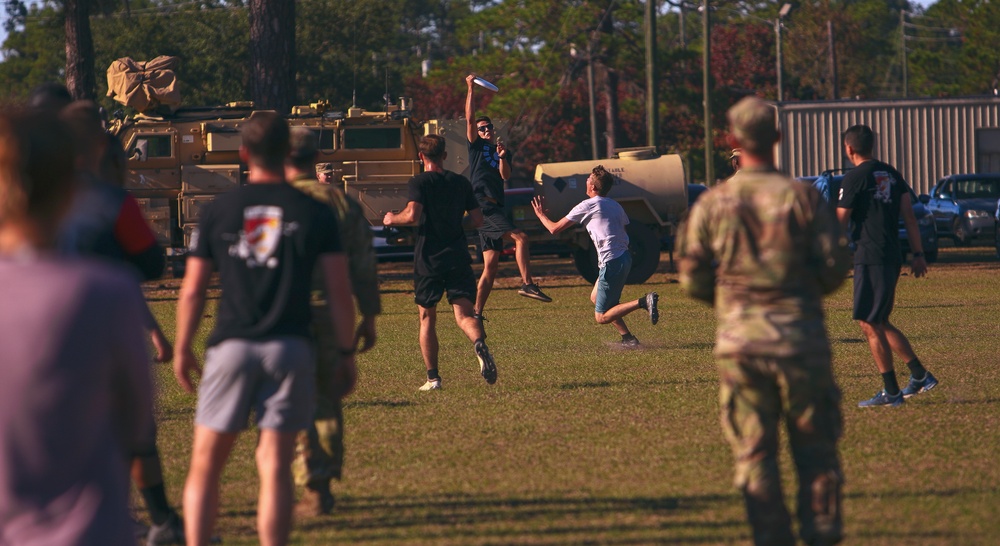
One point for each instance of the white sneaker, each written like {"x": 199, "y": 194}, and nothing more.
{"x": 431, "y": 385}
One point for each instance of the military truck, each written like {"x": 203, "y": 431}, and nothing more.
{"x": 652, "y": 188}
{"x": 180, "y": 159}
{"x": 179, "y": 162}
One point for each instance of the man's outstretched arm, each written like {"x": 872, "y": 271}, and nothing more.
{"x": 470, "y": 112}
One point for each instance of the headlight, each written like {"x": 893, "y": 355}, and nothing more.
{"x": 926, "y": 220}
{"x": 974, "y": 214}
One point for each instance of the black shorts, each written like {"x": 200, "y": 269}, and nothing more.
{"x": 459, "y": 282}
{"x": 874, "y": 292}
{"x": 495, "y": 226}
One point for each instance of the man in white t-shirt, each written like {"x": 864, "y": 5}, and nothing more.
{"x": 605, "y": 221}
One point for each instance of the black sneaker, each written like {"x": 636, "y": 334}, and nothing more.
{"x": 652, "y": 299}
{"x": 630, "y": 342}
{"x": 487, "y": 366}
{"x": 168, "y": 532}
{"x": 532, "y": 291}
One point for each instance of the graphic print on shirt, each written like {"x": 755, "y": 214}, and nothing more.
{"x": 259, "y": 238}
{"x": 883, "y": 186}
{"x": 492, "y": 158}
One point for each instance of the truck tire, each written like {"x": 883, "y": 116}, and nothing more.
{"x": 585, "y": 260}
{"x": 644, "y": 246}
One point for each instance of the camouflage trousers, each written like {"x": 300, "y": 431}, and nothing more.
{"x": 755, "y": 393}
{"x": 319, "y": 453}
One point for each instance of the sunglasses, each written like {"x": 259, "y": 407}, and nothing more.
{"x": 484, "y": 128}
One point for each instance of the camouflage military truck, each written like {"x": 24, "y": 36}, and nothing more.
{"x": 179, "y": 162}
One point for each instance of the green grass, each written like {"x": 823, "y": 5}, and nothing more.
{"x": 580, "y": 442}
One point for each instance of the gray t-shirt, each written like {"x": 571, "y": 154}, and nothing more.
{"x": 605, "y": 221}
{"x": 75, "y": 400}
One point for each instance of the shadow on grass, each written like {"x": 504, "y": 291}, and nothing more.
{"x": 585, "y": 385}
{"x": 608, "y": 520}
{"x": 379, "y": 404}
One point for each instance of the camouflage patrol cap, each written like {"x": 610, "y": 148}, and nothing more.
{"x": 324, "y": 168}
{"x": 302, "y": 143}
{"x": 752, "y": 122}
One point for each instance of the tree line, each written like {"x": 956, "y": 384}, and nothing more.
{"x": 367, "y": 52}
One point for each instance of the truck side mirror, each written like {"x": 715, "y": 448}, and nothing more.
{"x": 924, "y": 198}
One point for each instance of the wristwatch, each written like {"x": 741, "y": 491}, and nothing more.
{"x": 918, "y": 254}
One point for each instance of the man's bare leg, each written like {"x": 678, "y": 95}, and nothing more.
{"x": 275, "y": 451}
{"x": 899, "y": 343}
{"x": 522, "y": 255}
{"x": 472, "y": 328}
{"x": 428, "y": 336}
{"x": 201, "y": 490}
{"x": 615, "y": 314}
{"x": 878, "y": 344}
{"x": 491, "y": 261}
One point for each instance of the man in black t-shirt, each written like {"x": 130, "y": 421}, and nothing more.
{"x": 490, "y": 164}
{"x": 438, "y": 200}
{"x": 265, "y": 240}
{"x": 873, "y": 195}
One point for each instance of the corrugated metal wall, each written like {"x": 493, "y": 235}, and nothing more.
{"x": 924, "y": 139}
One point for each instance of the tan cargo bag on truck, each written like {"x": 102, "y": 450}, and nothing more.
{"x": 145, "y": 85}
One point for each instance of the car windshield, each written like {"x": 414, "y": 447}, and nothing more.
{"x": 977, "y": 189}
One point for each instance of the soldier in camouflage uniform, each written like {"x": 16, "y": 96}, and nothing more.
{"x": 764, "y": 249}
{"x": 320, "y": 451}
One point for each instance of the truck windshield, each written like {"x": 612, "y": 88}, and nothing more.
{"x": 373, "y": 138}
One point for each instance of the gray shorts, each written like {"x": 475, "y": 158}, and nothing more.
{"x": 275, "y": 378}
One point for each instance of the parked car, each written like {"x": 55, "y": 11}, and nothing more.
{"x": 829, "y": 185}
{"x": 996, "y": 228}
{"x": 964, "y": 205}
{"x": 391, "y": 245}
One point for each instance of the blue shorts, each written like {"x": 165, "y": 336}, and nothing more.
{"x": 275, "y": 378}
{"x": 611, "y": 282}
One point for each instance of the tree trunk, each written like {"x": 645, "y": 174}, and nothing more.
{"x": 80, "y": 78}
{"x": 611, "y": 110}
{"x": 272, "y": 54}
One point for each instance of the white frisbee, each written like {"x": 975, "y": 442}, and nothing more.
{"x": 483, "y": 83}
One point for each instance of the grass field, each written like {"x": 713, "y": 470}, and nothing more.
{"x": 580, "y": 442}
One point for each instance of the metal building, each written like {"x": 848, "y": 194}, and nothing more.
{"x": 925, "y": 139}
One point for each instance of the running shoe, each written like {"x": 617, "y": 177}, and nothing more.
{"x": 487, "y": 366}
{"x": 532, "y": 291}
{"x": 883, "y": 398}
{"x": 917, "y": 387}
{"x": 431, "y": 385}
{"x": 630, "y": 342}
{"x": 170, "y": 531}
{"x": 652, "y": 299}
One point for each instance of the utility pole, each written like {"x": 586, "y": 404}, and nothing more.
{"x": 652, "y": 104}
{"x": 706, "y": 90}
{"x": 785, "y": 9}
{"x": 902, "y": 48}
{"x": 578, "y": 55}
{"x": 593, "y": 101}
{"x": 834, "y": 86}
